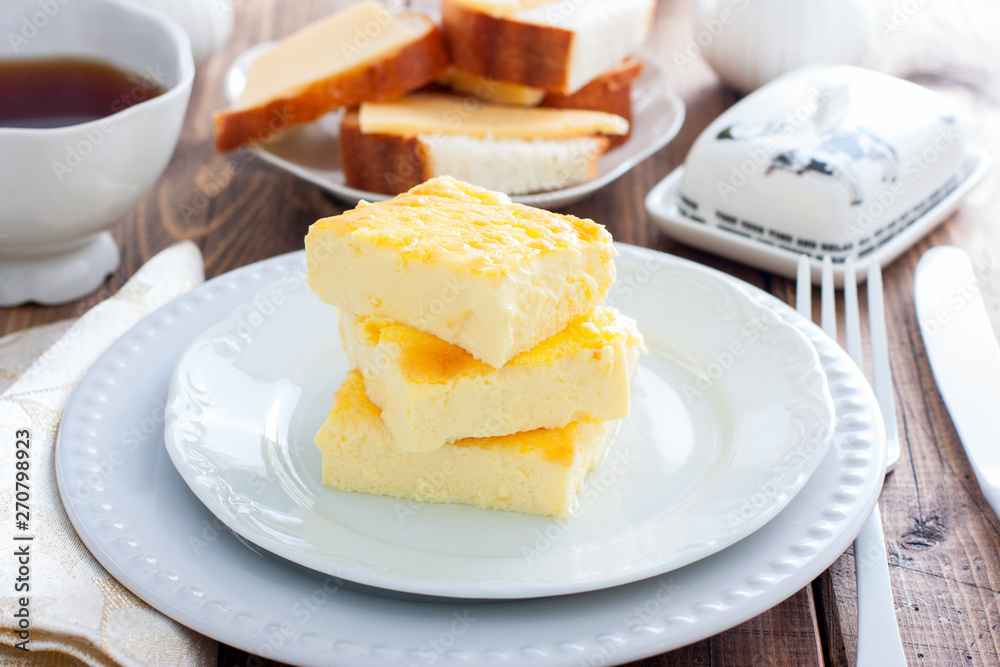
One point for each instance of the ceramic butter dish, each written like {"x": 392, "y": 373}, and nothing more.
{"x": 826, "y": 160}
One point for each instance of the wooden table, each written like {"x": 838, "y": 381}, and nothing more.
{"x": 942, "y": 537}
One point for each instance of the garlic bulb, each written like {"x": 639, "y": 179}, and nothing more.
{"x": 208, "y": 23}
{"x": 751, "y": 42}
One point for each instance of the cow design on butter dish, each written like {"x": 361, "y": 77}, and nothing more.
{"x": 830, "y": 154}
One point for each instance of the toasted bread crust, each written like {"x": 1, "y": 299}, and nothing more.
{"x": 415, "y": 65}
{"x": 384, "y": 163}
{"x": 506, "y": 50}
{"x": 611, "y": 92}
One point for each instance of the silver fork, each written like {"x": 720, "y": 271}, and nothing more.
{"x": 879, "y": 643}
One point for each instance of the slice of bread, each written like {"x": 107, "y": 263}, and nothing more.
{"x": 391, "y": 147}
{"x": 558, "y": 46}
{"x": 611, "y": 92}
{"x": 361, "y": 53}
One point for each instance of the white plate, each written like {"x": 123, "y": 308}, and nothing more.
{"x": 312, "y": 151}
{"x": 146, "y": 527}
{"x": 731, "y": 402}
{"x": 661, "y": 203}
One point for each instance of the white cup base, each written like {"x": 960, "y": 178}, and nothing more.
{"x": 59, "y": 277}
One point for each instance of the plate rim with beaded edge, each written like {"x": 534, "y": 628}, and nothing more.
{"x": 150, "y": 532}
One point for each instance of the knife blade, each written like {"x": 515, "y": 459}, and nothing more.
{"x": 964, "y": 356}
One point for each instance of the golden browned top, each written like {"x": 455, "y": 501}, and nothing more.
{"x": 554, "y": 445}
{"x": 423, "y": 357}
{"x": 446, "y": 221}
{"x": 428, "y": 359}
{"x": 592, "y": 331}
{"x": 350, "y": 398}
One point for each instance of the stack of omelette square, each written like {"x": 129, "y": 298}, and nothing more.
{"x": 486, "y": 370}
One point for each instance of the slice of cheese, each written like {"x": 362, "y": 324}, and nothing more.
{"x": 438, "y": 114}
{"x": 432, "y": 393}
{"x": 491, "y": 90}
{"x": 500, "y": 8}
{"x": 537, "y": 472}
{"x": 352, "y": 38}
{"x": 464, "y": 264}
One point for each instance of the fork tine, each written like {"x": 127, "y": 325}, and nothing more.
{"x": 852, "y": 318}
{"x": 803, "y": 288}
{"x": 881, "y": 372}
{"x": 828, "y": 300}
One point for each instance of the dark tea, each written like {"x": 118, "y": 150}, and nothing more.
{"x": 56, "y": 92}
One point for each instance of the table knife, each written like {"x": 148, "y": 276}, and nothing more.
{"x": 964, "y": 356}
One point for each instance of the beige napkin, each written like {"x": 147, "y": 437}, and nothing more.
{"x": 78, "y": 613}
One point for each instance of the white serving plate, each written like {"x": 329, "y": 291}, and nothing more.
{"x": 150, "y": 531}
{"x": 731, "y": 403}
{"x": 312, "y": 151}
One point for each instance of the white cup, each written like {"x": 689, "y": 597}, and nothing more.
{"x": 62, "y": 188}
